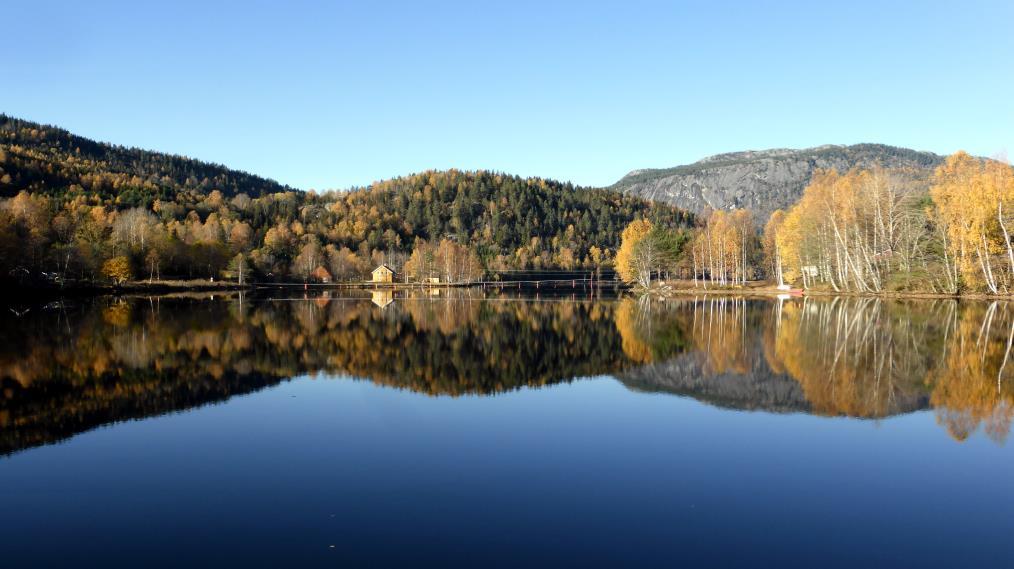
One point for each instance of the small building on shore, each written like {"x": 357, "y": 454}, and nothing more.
{"x": 383, "y": 274}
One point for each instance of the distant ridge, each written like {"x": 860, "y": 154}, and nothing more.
{"x": 47, "y": 159}
{"x": 762, "y": 180}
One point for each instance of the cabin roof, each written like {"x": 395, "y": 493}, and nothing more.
{"x": 383, "y": 267}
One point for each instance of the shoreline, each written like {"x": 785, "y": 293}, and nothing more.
{"x": 658, "y": 291}
{"x": 767, "y": 290}
{"x": 48, "y": 291}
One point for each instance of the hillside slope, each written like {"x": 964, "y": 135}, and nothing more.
{"x": 47, "y": 159}
{"x": 760, "y": 180}
{"x": 74, "y": 204}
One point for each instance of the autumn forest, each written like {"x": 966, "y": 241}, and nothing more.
{"x": 79, "y": 211}
{"x": 76, "y": 211}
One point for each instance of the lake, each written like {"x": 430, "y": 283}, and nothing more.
{"x": 463, "y": 428}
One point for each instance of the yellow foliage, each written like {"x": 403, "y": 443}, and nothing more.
{"x": 974, "y": 200}
{"x": 118, "y": 269}
{"x": 635, "y": 348}
{"x": 631, "y": 236}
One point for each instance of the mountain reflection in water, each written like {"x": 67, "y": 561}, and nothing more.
{"x": 66, "y": 368}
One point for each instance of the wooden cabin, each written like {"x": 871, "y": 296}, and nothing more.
{"x": 383, "y": 274}
{"x": 432, "y": 280}
{"x": 321, "y": 275}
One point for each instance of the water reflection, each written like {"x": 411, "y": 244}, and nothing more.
{"x": 69, "y": 367}
{"x": 856, "y": 357}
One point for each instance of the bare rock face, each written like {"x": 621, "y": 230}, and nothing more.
{"x": 763, "y": 180}
{"x": 756, "y": 389}
{"x": 760, "y": 389}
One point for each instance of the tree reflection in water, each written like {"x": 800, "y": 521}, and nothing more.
{"x": 70, "y": 367}
{"x": 857, "y": 357}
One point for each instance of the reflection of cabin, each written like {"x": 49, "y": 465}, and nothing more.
{"x": 320, "y": 274}
{"x": 383, "y": 274}
{"x": 383, "y": 298}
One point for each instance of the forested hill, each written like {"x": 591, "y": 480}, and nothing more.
{"x": 496, "y": 212}
{"x": 43, "y": 158}
{"x": 762, "y": 180}
{"x": 78, "y": 205}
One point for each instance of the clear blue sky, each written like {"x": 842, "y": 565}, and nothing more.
{"x": 331, "y": 94}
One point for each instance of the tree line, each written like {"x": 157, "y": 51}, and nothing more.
{"x": 881, "y": 230}
{"x": 81, "y": 211}
{"x": 867, "y": 230}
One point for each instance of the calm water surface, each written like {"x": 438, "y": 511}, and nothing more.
{"x": 472, "y": 430}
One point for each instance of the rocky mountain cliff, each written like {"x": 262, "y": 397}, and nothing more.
{"x": 687, "y": 375}
{"x": 762, "y": 180}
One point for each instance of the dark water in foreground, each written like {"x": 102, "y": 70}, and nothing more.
{"x": 506, "y": 431}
